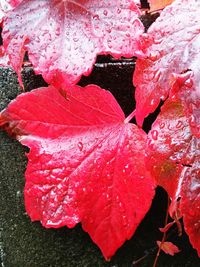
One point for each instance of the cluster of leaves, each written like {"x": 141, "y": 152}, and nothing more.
{"x": 87, "y": 163}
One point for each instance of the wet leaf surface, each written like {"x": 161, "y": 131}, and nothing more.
{"x": 63, "y": 38}
{"x": 82, "y": 168}
{"x": 173, "y": 156}
{"x": 170, "y": 66}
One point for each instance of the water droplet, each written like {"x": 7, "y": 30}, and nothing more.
{"x": 124, "y": 220}
{"x": 154, "y": 56}
{"x": 128, "y": 146}
{"x": 80, "y": 146}
{"x": 91, "y": 220}
{"x": 18, "y": 193}
{"x": 75, "y": 40}
{"x": 150, "y": 144}
{"x": 152, "y": 102}
{"x": 108, "y": 176}
{"x": 105, "y": 12}
{"x": 158, "y": 41}
{"x": 57, "y": 31}
{"x": 189, "y": 83}
{"x": 154, "y": 134}
{"x": 99, "y": 145}
{"x": 127, "y": 166}
{"x": 96, "y": 17}
{"x": 179, "y": 124}
{"x": 157, "y": 76}
{"x": 192, "y": 120}
{"x": 162, "y": 125}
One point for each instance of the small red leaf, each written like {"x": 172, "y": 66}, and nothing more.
{"x": 85, "y": 164}
{"x": 65, "y": 39}
{"x": 168, "y": 248}
{"x": 173, "y": 157}
{"x": 171, "y": 50}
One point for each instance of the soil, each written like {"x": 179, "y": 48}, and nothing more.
{"x": 27, "y": 244}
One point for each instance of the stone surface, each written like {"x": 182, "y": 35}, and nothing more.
{"x": 27, "y": 244}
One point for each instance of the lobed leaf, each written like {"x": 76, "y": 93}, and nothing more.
{"x": 171, "y": 63}
{"x": 173, "y": 157}
{"x": 85, "y": 163}
{"x": 63, "y": 38}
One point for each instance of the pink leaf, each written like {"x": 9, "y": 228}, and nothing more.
{"x": 168, "y": 248}
{"x": 85, "y": 163}
{"x": 65, "y": 38}
{"x": 6, "y": 6}
{"x": 172, "y": 60}
{"x": 173, "y": 157}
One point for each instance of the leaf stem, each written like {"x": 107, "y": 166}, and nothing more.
{"x": 164, "y": 235}
{"x": 139, "y": 260}
{"x": 130, "y": 117}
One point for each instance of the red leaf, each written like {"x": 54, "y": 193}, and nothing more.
{"x": 171, "y": 47}
{"x": 168, "y": 248}
{"x": 167, "y": 227}
{"x": 156, "y": 5}
{"x": 65, "y": 39}
{"x": 173, "y": 156}
{"x": 85, "y": 163}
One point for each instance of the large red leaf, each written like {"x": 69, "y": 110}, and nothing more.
{"x": 85, "y": 163}
{"x": 174, "y": 160}
{"x": 63, "y": 38}
{"x": 172, "y": 57}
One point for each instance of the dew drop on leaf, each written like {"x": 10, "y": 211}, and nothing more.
{"x": 80, "y": 146}
{"x": 154, "y": 134}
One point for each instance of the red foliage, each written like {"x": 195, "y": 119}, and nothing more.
{"x": 82, "y": 168}
{"x": 63, "y": 38}
{"x": 86, "y": 162}
{"x": 171, "y": 62}
{"x": 173, "y": 156}
{"x": 168, "y": 248}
